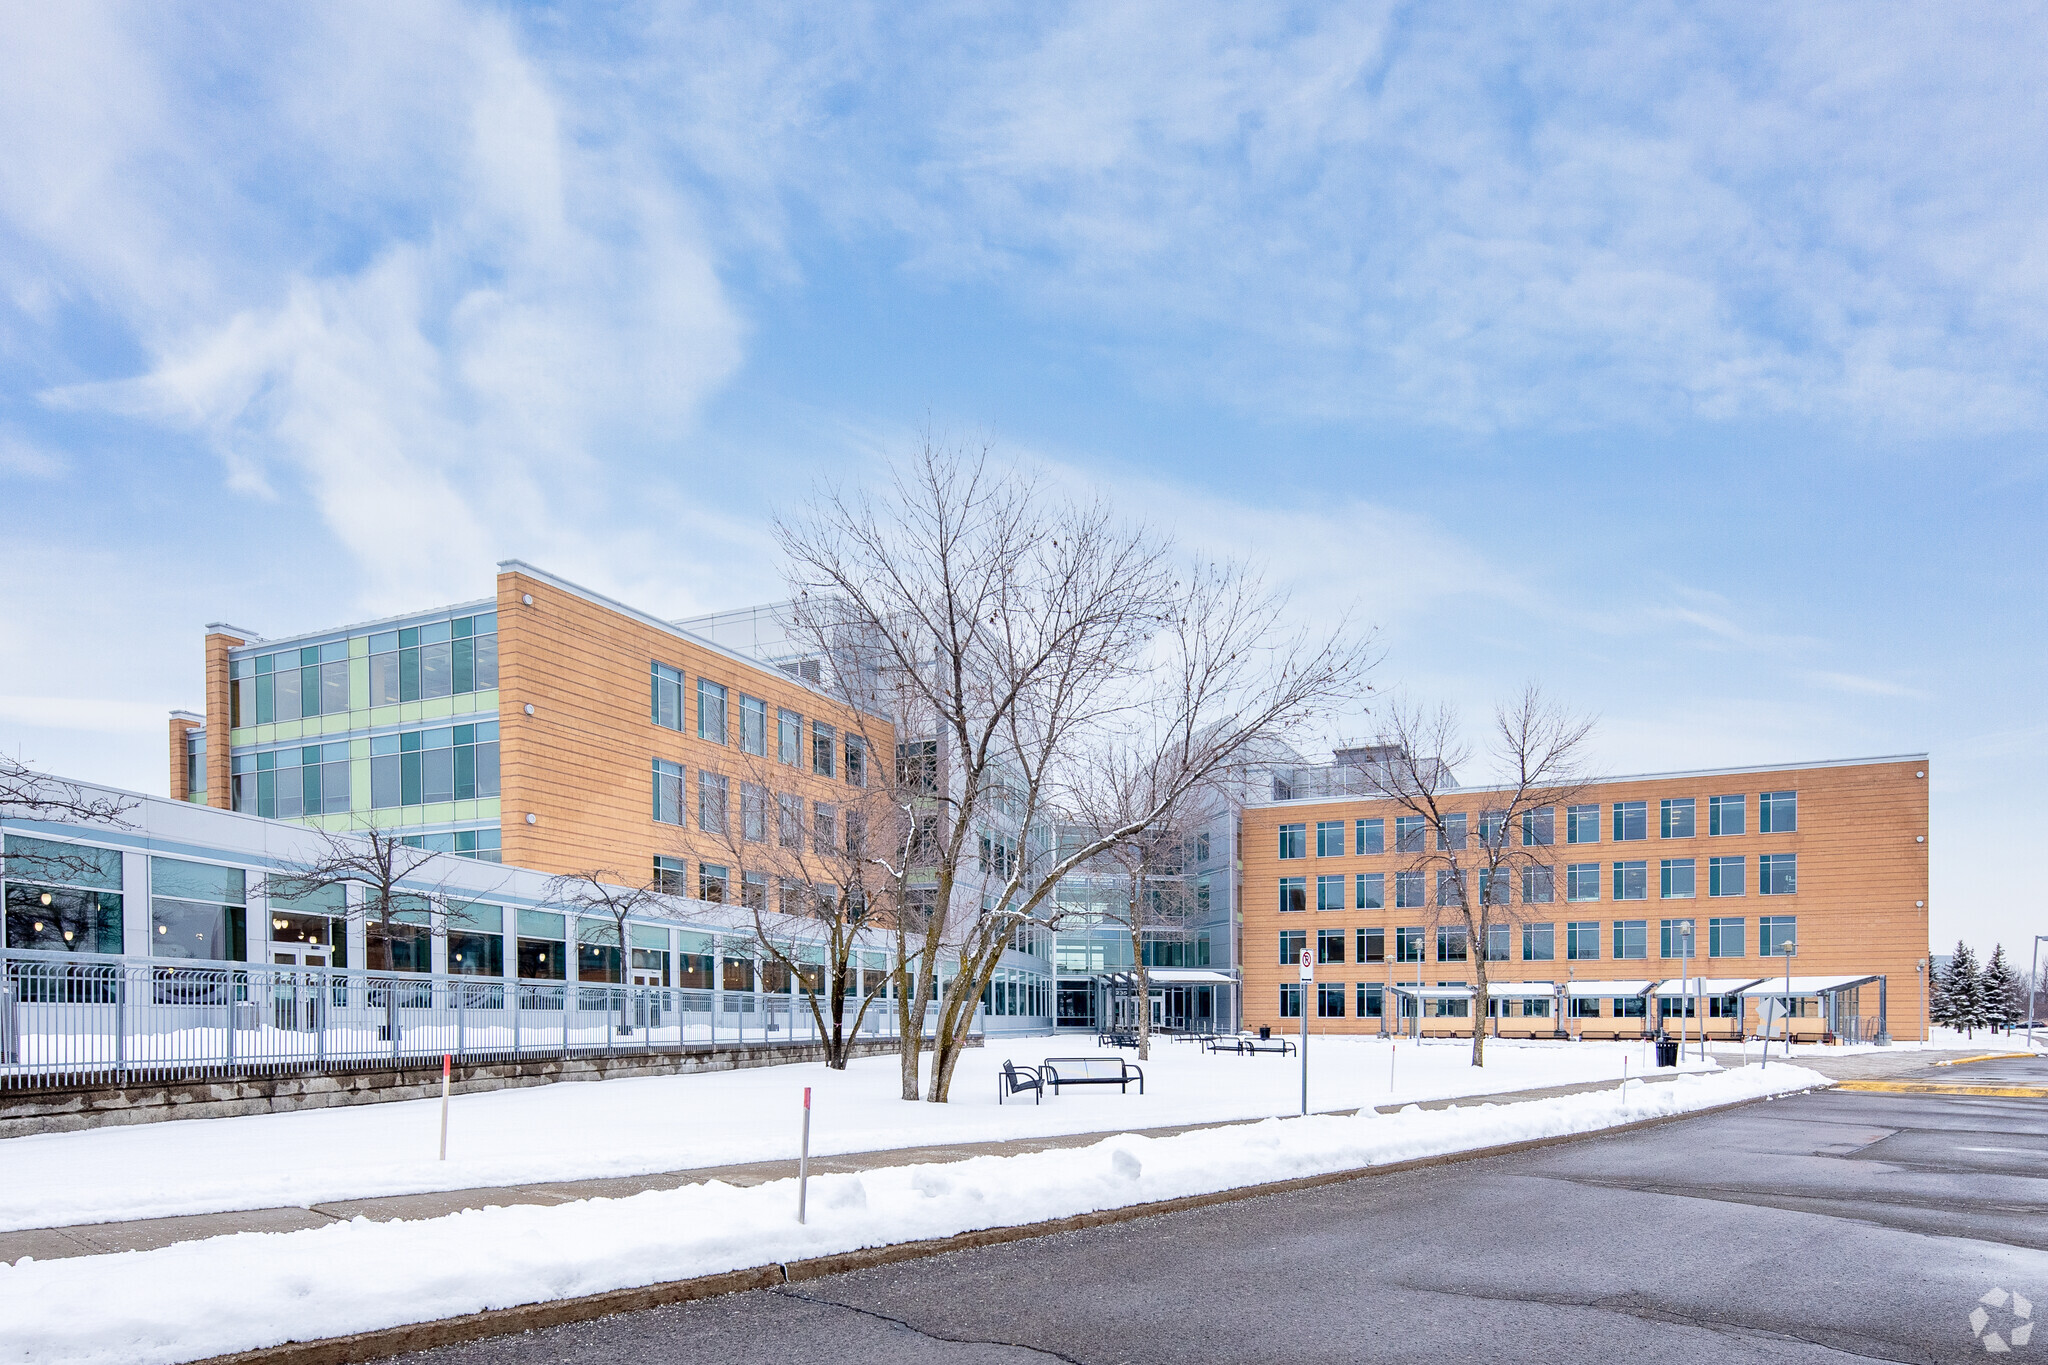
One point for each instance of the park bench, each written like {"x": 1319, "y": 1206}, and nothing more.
{"x": 1015, "y": 1080}
{"x": 1116, "y": 1038}
{"x": 1059, "y": 1071}
{"x": 1245, "y": 1047}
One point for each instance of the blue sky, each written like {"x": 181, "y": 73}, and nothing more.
{"x": 1687, "y": 360}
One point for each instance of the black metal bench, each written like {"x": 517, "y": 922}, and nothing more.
{"x": 1015, "y": 1080}
{"x": 1115, "y": 1038}
{"x": 1245, "y": 1047}
{"x": 1059, "y": 1071}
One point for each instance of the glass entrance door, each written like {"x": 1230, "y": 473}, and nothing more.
{"x": 296, "y": 994}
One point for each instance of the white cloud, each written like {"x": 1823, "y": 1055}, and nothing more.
{"x": 22, "y": 458}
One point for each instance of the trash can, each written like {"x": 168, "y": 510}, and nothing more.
{"x": 1667, "y": 1051}
{"x": 1264, "y": 1032}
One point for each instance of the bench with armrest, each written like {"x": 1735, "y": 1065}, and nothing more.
{"x": 1116, "y": 1038}
{"x": 1059, "y": 1071}
{"x": 1245, "y": 1047}
{"x": 1015, "y": 1080}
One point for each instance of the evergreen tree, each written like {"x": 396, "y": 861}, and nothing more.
{"x": 1962, "y": 992}
{"x": 2005, "y": 993}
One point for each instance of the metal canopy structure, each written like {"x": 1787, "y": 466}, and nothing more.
{"x": 1713, "y": 985}
{"x": 1585, "y": 990}
{"x": 1804, "y": 985}
{"x": 1183, "y": 976}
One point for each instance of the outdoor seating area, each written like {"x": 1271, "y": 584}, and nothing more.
{"x": 1247, "y": 1044}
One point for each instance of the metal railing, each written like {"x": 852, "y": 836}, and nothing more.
{"x": 69, "y": 1019}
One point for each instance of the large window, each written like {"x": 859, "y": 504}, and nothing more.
{"x": 197, "y": 910}
{"x": 711, "y": 710}
{"x": 1582, "y": 882}
{"x": 1408, "y": 890}
{"x": 1539, "y": 885}
{"x": 1727, "y": 814}
{"x": 1408, "y": 943}
{"x": 714, "y": 882}
{"x": 1494, "y": 884}
{"x": 1539, "y": 827}
{"x": 1539, "y": 943}
{"x": 1330, "y": 892}
{"x": 1372, "y": 945}
{"x": 671, "y": 876}
{"x": 713, "y": 791}
{"x": 1678, "y": 817}
{"x": 1329, "y": 838}
{"x": 1582, "y": 940}
{"x": 1582, "y": 825}
{"x": 1774, "y": 932}
{"x": 666, "y": 686}
{"x": 1294, "y": 841}
{"x": 1725, "y": 876}
{"x": 1671, "y": 936}
{"x": 1726, "y": 937}
{"x": 1777, "y": 874}
{"x": 62, "y": 898}
{"x": 1408, "y": 833}
{"x": 1676, "y": 879}
{"x": 1372, "y": 891}
{"x": 857, "y": 766}
{"x": 439, "y": 659}
{"x": 789, "y": 821}
{"x": 309, "y": 779}
{"x": 1372, "y": 1000}
{"x": 195, "y": 768}
{"x": 1293, "y": 894}
{"x": 1777, "y": 812}
{"x": 668, "y": 792}
{"x": 543, "y": 947}
{"x": 1632, "y": 880}
{"x": 1330, "y": 945}
{"x": 1631, "y": 821}
{"x": 1450, "y": 943}
{"x": 1499, "y": 942}
{"x": 753, "y": 813}
{"x": 448, "y": 763}
{"x": 1290, "y": 1000}
{"x": 824, "y": 749}
{"x": 1450, "y": 834}
{"x": 1292, "y": 941}
{"x": 1450, "y": 886}
{"x": 1330, "y": 1000}
{"x": 753, "y": 726}
{"x": 789, "y": 738}
{"x": 1372, "y": 836}
{"x": 1631, "y": 939}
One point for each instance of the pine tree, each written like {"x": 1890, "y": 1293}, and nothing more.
{"x": 2005, "y": 994}
{"x": 1962, "y": 992}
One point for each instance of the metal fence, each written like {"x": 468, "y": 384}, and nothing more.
{"x": 67, "y": 1019}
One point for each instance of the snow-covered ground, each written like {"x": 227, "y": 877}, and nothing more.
{"x": 638, "y": 1126}
{"x": 254, "y": 1289}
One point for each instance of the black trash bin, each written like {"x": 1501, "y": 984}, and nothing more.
{"x": 1265, "y": 1032}
{"x": 1667, "y": 1052}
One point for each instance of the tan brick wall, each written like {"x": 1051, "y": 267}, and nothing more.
{"x": 1861, "y": 899}
{"x": 218, "y": 714}
{"x": 180, "y": 728}
{"x": 583, "y": 762}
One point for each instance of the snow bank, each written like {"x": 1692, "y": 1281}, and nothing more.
{"x": 668, "y": 1123}
{"x": 255, "y": 1289}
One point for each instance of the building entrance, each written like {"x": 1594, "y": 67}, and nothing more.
{"x": 297, "y": 997}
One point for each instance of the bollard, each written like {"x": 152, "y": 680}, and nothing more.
{"x": 444, "y": 1106}
{"x": 803, "y": 1161}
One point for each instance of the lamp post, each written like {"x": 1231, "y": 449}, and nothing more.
{"x": 1920, "y": 974}
{"x": 1686, "y": 1004}
{"x": 2033, "y": 979}
{"x": 1788, "y": 947}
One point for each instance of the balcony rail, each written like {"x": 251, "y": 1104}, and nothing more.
{"x": 68, "y": 1019}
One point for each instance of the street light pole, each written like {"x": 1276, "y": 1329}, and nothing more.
{"x": 2033, "y": 979}
{"x": 1788, "y": 948}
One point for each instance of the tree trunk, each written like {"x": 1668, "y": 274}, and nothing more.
{"x": 1144, "y": 988}
{"x": 909, "y": 1024}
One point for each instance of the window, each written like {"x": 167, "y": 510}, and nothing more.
{"x": 1777, "y": 874}
{"x": 1372, "y": 1000}
{"x": 1371, "y": 836}
{"x": 824, "y": 749}
{"x": 1678, "y": 817}
{"x": 1539, "y": 885}
{"x": 1330, "y": 892}
{"x": 1676, "y": 880}
{"x": 1372, "y": 891}
{"x": 1631, "y": 1007}
{"x": 1725, "y": 937}
{"x": 671, "y": 876}
{"x": 1776, "y": 934}
{"x": 1450, "y": 834}
{"x": 1408, "y": 944}
{"x": 195, "y": 766}
{"x": 1631, "y": 938}
{"x": 668, "y": 792}
{"x": 1499, "y": 940}
{"x": 1727, "y": 814}
{"x": 447, "y": 763}
{"x": 1493, "y": 828}
{"x": 314, "y": 779}
{"x": 1632, "y": 881}
{"x": 1450, "y": 886}
{"x": 1450, "y": 943}
{"x": 74, "y": 904}
{"x": 1631, "y": 821}
{"x": 712, "y": 882}
{"x": 1777, "y": 813}
{"x": 1372, "y": 945}
{"x": 1329, "y": 838}
{"x": 753, "y": 813}
{"x": 1293, "y": 894}
{"x": 825, "y": 828}
{"x": 856, "y": 761}
{"x": 1725, "y": 876}
{"x": 789, "y": 738}
{"x": 1671, "y": 936}
{"x": 753, "y": 726}
{"x": 1539, "y": 827}
{"x": 712, "y": 790}
{"x": 1493, "y": 885}
{"x": 711, "y": 710}
{"x": 666, "y": 685}
{"x": 1292, "y": 941}
{"x": 1582, "y": 940}
{"x": 754, "y": 890}
{"x": 1330, "y": 945}
{"x": 1539, "y": 943}
{"x": 1583, "y": 1007}
{"x": 1290, "y": 1000}
{"x": 1582, "y": 882}
{"x": 196, "y": 910}
{"x": 789, "y": 821}
{"x": 1408, "y": 890}
{"x": 1408, "y": 833}
{"x": 1330, "y": 1000}
{"x": 1202, "y": 847}
{"x": 1582, "y": 825}
{"x": 1294, "y": 841}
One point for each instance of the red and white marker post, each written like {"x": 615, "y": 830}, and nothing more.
{"x": 444, "y": 1106}
{"x": 803, "y": 1161}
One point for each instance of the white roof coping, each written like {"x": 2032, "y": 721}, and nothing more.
{"x": 1804, "y": 985}
{"x": 1712, "y": 985}
{"x": 1188, "y": 976}
{"x": 1586, "y": 990}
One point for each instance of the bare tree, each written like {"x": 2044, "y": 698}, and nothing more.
{"x": 1478, "y": 852}
{"x": 29, "y": 795}
{"x": 603, "y": 891}
{"x": 1024, "y": 634}
{"x": 380, "y": 863}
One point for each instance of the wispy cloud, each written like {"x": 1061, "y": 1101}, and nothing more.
{"x": 1861, "y": 685}
{"x": 22, "y": 458}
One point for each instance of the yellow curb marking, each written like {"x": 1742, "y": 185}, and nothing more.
{"x": 1990, "y": 1057}
{"x": 2014, "y": 1092}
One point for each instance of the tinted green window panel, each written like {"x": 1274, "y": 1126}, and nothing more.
{"x": 408, "y": 673}
{"x": 465, "y": 666}
{"x": 409, "y": 779}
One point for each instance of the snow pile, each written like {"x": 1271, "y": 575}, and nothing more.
{"x": 254, "y": 1289}
{"x": 669, "y": 1123}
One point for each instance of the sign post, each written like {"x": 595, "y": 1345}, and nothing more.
{"x": 1308, "y": 976}
{"x": 803, "y": 1162}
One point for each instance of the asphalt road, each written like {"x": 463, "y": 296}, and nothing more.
{"x": 1833, "y": 1226}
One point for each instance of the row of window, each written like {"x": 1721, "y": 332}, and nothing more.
{"x": 1370, "y": 1002}
{"x": 763, "y": 815}
{"x": 1725, "y": 937}
{"x": 413, "y": 768}
{"x": 1677, "y": 879}
{"x": 713, "y": 723}
{"x": 1777, "y": 813}
{"x": 419, "y": 663}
